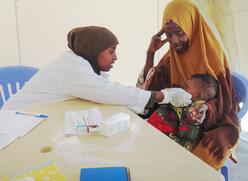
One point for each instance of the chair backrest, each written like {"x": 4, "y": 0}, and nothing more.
{"x": 240, "y": 84}
{"x": 12, "y": 79}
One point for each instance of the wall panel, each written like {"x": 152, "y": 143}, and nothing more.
{"x": 44, "y": 25}
{"x": 8, "y": 34}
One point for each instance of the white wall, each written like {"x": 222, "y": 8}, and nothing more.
{"x": 240, "y": 13}
{"x": 8, "y": 34}
{"x": 164, "y": 49}
{"x": 43, "y": 26}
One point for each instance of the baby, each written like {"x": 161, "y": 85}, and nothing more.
{"x": 183, "y": 124}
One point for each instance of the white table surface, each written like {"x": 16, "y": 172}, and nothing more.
{"x": 150, "y": 155}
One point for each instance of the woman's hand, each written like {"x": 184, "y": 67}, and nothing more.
{"x": 217, "y": 141}
{"x": 156, "y": 42}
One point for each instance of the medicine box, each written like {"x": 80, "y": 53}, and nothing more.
{"x": 114, "y": 124}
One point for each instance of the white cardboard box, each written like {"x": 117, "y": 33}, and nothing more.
{"x": 114, "y": 124}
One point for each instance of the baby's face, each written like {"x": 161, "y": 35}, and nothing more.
{"x": 194, "y": 87}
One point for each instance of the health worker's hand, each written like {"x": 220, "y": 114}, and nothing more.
{"x": 177, "y": 97}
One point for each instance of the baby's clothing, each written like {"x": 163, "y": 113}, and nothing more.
{"x": 174, "y": 122}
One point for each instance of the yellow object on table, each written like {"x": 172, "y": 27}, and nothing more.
{"x": 44, "y": 172}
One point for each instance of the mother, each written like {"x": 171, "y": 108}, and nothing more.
{"x": 195, "y": 49}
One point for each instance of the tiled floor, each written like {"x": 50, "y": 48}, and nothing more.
{"x": 239, "y": 171}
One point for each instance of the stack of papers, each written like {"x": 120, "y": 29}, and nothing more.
{"x": 16, "y": 124}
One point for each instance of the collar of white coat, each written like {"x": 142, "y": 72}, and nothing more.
{"x": 104, "y": 74}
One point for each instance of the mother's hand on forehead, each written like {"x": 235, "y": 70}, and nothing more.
{"x": 157, "y": 42}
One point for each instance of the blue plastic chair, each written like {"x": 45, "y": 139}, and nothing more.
{"x": 12, "y": 79}
{"x": 241, "y": 91}
{"x": 240, "y": 84}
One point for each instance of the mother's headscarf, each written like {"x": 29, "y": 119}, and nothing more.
{"x": 204, "y": 55}
{"x": 89, "y": 41}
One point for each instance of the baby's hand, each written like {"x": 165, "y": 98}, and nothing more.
{"x": 198, "y": 113}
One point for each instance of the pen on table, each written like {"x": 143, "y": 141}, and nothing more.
{"x": 31, "y": 114}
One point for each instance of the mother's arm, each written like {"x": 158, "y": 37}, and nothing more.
{"x": 211, "y": 117}
{"x": 149, "y": 72}
{"x": 157, "y": 78}
{"x": 155, "y": 44}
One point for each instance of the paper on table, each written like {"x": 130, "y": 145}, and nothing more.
{"x": 82, "y": 122}
{"x": 6, "y": 139}
{"x": 15, "y": 125}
